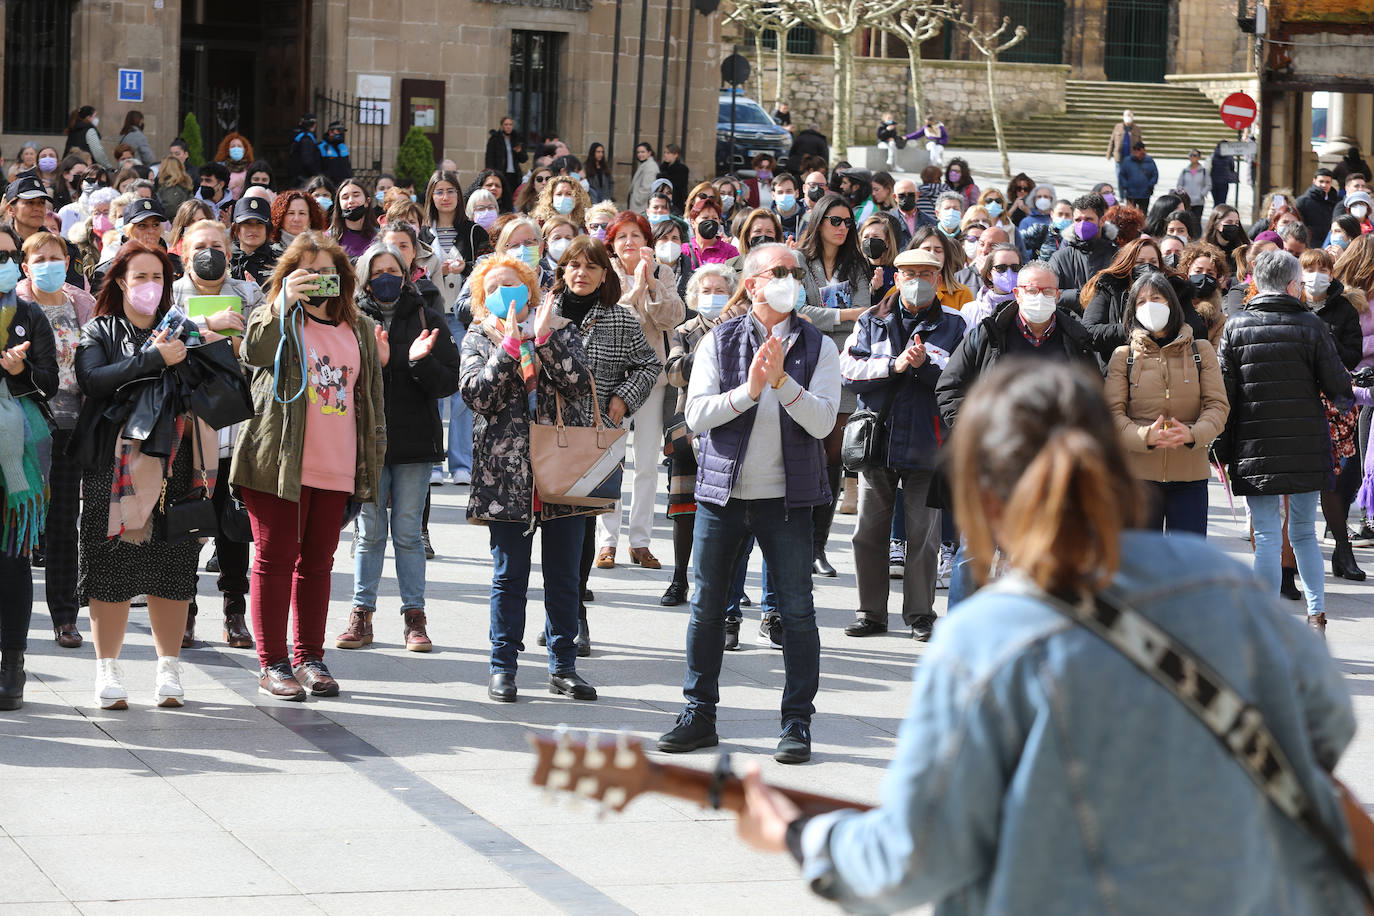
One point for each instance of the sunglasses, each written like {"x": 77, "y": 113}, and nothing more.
{"x": 1003, "y": 268}
{"x": 782, "y": 273}
{"x": 837, "y": 221}
{"x": 593, "y": 227}
{"x": 541, "y": 179}
{"x": 15, "y": 256}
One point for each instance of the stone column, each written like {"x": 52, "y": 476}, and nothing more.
{"x": 1341, "y": 122}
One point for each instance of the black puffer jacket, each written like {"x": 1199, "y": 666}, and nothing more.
{"x": 414, "y": 433}
{"x": 1102, "y": 316}
{"x": 1276, "y": 358}
{"x": 986, "y": 343}
{"x": 1340, "y": 316}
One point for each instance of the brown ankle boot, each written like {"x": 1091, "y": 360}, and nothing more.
{"x": 417, "y": 640}
{"x": 358, "y": 632}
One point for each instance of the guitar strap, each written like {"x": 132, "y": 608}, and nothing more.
{"x": 1232, "y": 720}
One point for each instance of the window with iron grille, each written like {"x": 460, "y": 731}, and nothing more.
{"x": 801, "y": 39}
{"x": 38, "y": 51}
{"x": 1044, "y": 22}
{"x": 534, "y": 81}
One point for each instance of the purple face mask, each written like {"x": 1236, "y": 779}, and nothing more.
{"x": 1110, "y": 199}
{"x": 1005, "y": 282}
{"x": 1085, "y": 229}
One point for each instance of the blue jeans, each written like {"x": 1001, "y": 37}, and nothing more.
{"x": 401, "y": 495}
{"x": 512, "y": 545}
{"x": 961, "y": 581}
{"x": 719, "y": 538}
{"x": 1266, "y": 515}
{"x": 1178, "y": 506}
{"x": 459, "y": 417}
{"x": 768, "y": 603}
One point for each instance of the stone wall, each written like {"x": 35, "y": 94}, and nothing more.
{"x": 1217, "y": 86}
{"x": 956, "y": 91}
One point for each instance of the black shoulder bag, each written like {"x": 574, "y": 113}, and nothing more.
{"x": 191, "y": 516}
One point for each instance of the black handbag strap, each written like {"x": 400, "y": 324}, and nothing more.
{"x": 1234, "y": 721}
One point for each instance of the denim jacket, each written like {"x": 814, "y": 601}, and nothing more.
{"x": 1039, "y": 771}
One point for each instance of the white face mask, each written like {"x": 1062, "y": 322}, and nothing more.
{"x": 1359, "y": 211}
{"x": 1152, "y": 316}
{"x": 1036, "y": 309}
{"x": 1316, "y": 283}
{"x": 668, "y": 252}
{"x": 557, "y": 247}
{"x": 781, "y": 295}
{"x": 1043, "y": 203}
{"x": 711, "y": 304}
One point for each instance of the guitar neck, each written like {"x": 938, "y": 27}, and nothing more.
{"x": 695, "y": 786}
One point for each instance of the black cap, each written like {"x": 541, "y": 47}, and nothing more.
{"x": 1139, "y": 144}
{"x": 337, "y": 125}
{"x": 308, "y": 118}
{"x": 26, "y": 187}
{"x": 253, "y": 208}
{"x": 141, "y": 209}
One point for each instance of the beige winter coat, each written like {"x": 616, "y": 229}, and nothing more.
{"x": 1167, "y": 383}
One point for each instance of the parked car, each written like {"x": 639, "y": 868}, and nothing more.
{"x": 755, "y": 133}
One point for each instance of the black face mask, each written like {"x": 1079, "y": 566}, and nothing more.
{"x": 1141, "y": 270}
{"x": 907, "y": 202}
{"x": 707, "y": 229}
{"x": 758, "y": 240}
{"x": 873, "y": 248}
{"x": 1231, "y": 236}
{"x": 815, "y": 194}
{"x": 1203, "y": 284}
{"x": 1171, "y": 260}
{"x": 354, "y": 213}
{"x": 209, "y": 263}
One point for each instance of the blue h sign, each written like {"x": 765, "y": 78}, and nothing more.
{"x": 131, "y": 85}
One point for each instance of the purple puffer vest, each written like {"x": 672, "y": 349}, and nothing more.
{"x": 722, "y": 448}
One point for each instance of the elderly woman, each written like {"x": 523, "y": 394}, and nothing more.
{"x": 711, "y": 294}
{"x": 514, "y": 371}
{"x": 649, "y": 292}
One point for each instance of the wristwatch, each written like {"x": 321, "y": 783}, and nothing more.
{"x": 780, "y": 382}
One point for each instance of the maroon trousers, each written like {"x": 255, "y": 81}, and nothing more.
{"x": 292, "y": 564}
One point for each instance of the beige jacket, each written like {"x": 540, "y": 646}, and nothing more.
{"x": 1167, "y": 383}
{"x": 656, "y": 306}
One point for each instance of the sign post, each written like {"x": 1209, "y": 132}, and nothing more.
{"x": 1238, "y": 111}
{"x": 130, "y": 85}
{"x": 734, "y": 72}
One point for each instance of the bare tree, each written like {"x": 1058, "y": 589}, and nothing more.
{"x": 915, "y": 23}
{"x": 757, "y": 17}
{"x": 839, "y": 20}
{"x": 753, "y": 17}
{"x": 989, "y": 43}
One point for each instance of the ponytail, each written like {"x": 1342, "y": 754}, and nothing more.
{"x": 1062, "y": 524}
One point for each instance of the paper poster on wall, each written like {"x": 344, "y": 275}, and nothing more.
{"x": 424, "y": 112}
{"x": 372, "y": 111}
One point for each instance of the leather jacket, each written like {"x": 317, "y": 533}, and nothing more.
{"x": 106, "y": 361}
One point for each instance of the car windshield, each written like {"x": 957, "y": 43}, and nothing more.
{"x": 746, "y": 112}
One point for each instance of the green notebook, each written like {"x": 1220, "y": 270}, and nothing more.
{"x": 205, "y": 306}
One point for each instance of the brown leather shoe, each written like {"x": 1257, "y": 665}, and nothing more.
{"x": 605, "y": 558}
{"x": 236, "y": 632}
{"x": 315, "y": 677}
{"x": 68, "y": 636}
{"x": 1318, "y": 623}
{"x": 417, "y": 640}
{"x": 359, "y": 632}
{"x": 277, "y": 681}
{"x": 640, "y": 556}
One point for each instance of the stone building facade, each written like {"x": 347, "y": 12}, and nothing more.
{"x": 256, "y": 65}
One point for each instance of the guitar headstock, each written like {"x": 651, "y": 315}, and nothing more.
{"x": 611, "y": 770}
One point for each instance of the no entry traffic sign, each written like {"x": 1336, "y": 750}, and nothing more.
{"x": 1238, "y": 111}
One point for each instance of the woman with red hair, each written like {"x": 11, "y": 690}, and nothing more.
{"x": 294, "y": 212}
{"x": 235, "y": 153}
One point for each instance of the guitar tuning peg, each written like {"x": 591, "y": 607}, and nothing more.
{"x": 624, "y": 757}
{"x": 594, "y": 758}
{"x": 614, "y": 797}
{"x": 586, "y": 786}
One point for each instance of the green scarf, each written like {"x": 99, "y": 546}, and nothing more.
{"x": 25, "y": 456}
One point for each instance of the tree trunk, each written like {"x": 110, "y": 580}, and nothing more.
{"x": 996, "y": 118}
{"x": 844, "y": 133}
{"x": 837, "y": 109}
{"x": 782, "y": 66}
{"x": 758, "y": 60}
{"x": 917, "y": 92}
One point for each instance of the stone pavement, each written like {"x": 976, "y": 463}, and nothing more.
{"x": 412, "y": 789}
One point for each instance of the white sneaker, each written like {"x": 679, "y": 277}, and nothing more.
{"x": 896, "y": 559}
{"x": 436, "y": 477}
{"x": 109, "y": 685}
{"x": 946, "y": 566}
{"x": 167, "y": 685}
{"x": 462, "y": 478}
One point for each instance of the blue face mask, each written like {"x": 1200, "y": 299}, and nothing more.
{"x": 236, "y": 153}
{"x": 712, "y": 304}
{"x": 656, "y": 218}
{"x": 414, "y": 199}
{"x": 325, "y": 203}
{"x": 1061, "y": 223}
{"x": 787, "y": 202}
{"x": 49, "y": 276}
{"x": 379, "y": 195}
{"x": 9, "y": 277}
{"x": 801, "y": 297}
{"x": 949, "y": 220}
{"x": 994, "y": 208}
{"x": 1339, "y": 242}
{"x": 529, "y": 254}
{"x": 386, "y": 287}
{"x": 563, "y": 205}
{"x": 506, "y": 298}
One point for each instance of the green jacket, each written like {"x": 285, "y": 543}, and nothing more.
{"x": 268, "y": 455}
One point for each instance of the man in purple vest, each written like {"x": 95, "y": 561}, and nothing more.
{"x": 764, "y": 391}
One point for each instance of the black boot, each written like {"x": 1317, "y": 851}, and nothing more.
{"x": 584, "y": 637}
{"x": 1343, "y": 563}
{"x": 11, "y": 679}
{"x": 1289, "y": 588}
{"x": 821, "y": 518}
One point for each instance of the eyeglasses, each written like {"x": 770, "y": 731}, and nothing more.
{"x": 1003, "y": 268}
{"x": 1037, "y": 290}
{"x": 837, "y": 221}
{"x": 15, "y": 256}
{"x": 779, "y": 272}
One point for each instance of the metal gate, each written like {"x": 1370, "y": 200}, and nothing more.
{"x": 1044, "y": 22}
{"x": 365, "y": 135}
{"x": 1137, "y": 40}
{"x": 37, "y": 62}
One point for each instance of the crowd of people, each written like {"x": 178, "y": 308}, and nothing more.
{"x": 790, "y": 342}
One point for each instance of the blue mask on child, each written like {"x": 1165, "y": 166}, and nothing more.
{"x": 506, "y": 298}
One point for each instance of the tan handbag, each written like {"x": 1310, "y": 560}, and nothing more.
{"x": 577, "y": 465}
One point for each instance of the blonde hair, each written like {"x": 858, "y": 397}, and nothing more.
{"x": 478, "y": 282}
{"x": 544, "y": 211}
{"x": 40, "y": 240}
{"x": 172, "y": 172}
{"x": 606, "y": 208}
{"x": 503, "y": 240}
{"x": 204, "y": 224}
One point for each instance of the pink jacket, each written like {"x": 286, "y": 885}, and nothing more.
{"x": 84, "y": 303}
{"x": 1367, "y": 329}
